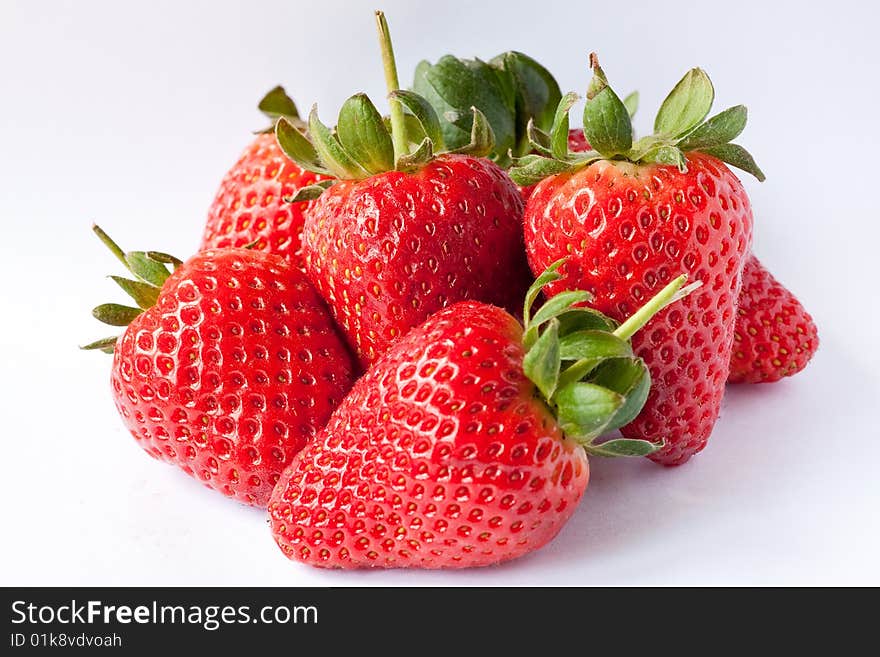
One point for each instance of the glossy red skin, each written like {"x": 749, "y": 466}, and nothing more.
{"x": 441, "y": 456}
{"x": 233, "y": 370}
{"x": 249, "y": 205}
{"x": 389, "y": 251}
{"x": 759, "y": 354}
{"x": 629, "y": 230}
{"x": 775, "y": 336}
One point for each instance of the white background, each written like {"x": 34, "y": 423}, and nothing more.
{"x": 129, "y": 113}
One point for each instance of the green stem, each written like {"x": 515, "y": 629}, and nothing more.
{"x": 110, "y": 244}
{"x": 399, "y": 137}
{"x": 658, "y": 302}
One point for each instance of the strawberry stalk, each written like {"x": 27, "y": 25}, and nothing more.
{"x": 669, "y": 294}
{"x": 398, "y": 120}
{"x": 584, "y": 366}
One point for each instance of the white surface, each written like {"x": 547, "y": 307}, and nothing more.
{"x": 129, "y": 114}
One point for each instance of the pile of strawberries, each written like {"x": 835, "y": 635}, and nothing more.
{"x": 404, "y": 335}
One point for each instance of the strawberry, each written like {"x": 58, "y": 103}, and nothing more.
{"x": 631, "y": 215}
{"x": 466, "y": 443}
{"x": 249, "y": 208}
{"x": 388, "y": 251}
{"x": 775, "y": 336}
{"x": 227, "y": 367}
{"x": 404, "y": 233}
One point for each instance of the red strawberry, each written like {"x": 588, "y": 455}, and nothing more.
{"x": 403, "y": 233}
{"x": 664, "y": 204}
{"x": 462, "y": 445}
{"x": 249, "y": 208}
{"x": 230, "y": 365}
{"x": 775, "y": 336}
{"x": 388, "y": 251}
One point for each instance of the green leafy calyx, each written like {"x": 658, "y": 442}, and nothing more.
{"x": 510, "y": 90}
{"x": 276, "y": 104}
{"x": 680, "y": 127}
{"x": 364, "y": 143}
{"x": 150, "y": 270}
{"x": 584, "y": 367}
